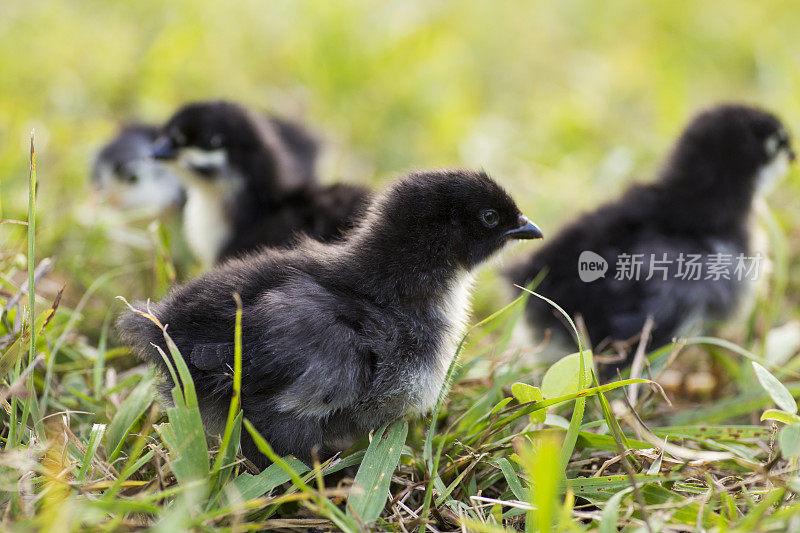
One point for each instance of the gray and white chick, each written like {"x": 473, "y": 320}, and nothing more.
{"x": 339, "y": 338}
{"x": 125, "y": 174}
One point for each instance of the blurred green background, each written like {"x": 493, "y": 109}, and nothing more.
{"x": 565, "y": 102}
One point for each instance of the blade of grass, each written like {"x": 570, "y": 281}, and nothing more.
{"x": 15, "y": 432}
{"x": 375, "y": 473}
{"x": 130, "y": 410}
{"x": 714, "y": 432}
{"x": 512, "y": 479}
{"x": 542, "y": 466}
{"x": 509, "y": 414}
{"x": 729, "y": 408}
{"x": 250, "y": 486}
{"x": 31, "y": 250}
{"x": 95, "y": 436}
{"x": 233, "y": 409}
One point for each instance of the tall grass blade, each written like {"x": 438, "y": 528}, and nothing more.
{"x": 31, "y": 251}
{"x": 130, "y": 410}
{"x": 251, "y": 486}
{"x": 95, "y": 436}
{"x": 375, "y": 473}
{"x": 230, "y": 442}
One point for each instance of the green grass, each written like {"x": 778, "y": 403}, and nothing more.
{"x": 564, "y": 102}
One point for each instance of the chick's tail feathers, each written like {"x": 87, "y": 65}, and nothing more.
{"x": 140, "y": 329}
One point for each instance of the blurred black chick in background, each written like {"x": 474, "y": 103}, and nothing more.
{"x": 125, "y": 174}
{"x": 250, "y": 181}
{"x": 698, "y": 209}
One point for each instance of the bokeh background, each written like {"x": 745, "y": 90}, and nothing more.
{"x": 566, "y": 102}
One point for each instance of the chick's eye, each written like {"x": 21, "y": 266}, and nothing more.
{"x": 783, "y": 138}
{"x": 126, "y": 175}
{"x": 215, "y": 141}
{"x": 490, "y": 218}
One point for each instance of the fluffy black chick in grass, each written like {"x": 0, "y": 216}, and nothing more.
{"x": 699, "y": 208}
{"x": 340, "y": 338}
{"x": 250, "y": 181}
{"x": 126, "y": 175}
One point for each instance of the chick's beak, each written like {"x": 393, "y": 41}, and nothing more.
{"x": 792, "y": 155}
{"x": 163, "y": 149}
{"x": 526, "y": 230}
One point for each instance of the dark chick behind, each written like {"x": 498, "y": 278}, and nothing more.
{"x": 251, "y": 182}
{"x": 699, "y": 206}
{"x": 340, "y": 338}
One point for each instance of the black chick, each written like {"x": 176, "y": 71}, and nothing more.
{"x": 340, "y": 338}
{"x": 126, "y": 175}
{"x": 250, "y": 182}
{"x": 699, "y": 205}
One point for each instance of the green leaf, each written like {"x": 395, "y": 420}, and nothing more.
{"x": 233, "y": 426}
{"x": 512, "y": 479}
{"x": 780, "y": 416}
{"x": 250, "y": 486}
{"x": 604, "y": 487}
{"x": 525, "y": 393}
{"x": 583, "y": 381}
{"x": 789, "y": 441}
{"x": 95, "y": 437}
{"x": 502, "y": 403}
{"x": 129, "y": 412}
{"x": 515, "y": 412}
{"x": 186, "y": 440}
{"x": 713, "y": 432}
{"x": 10, "y": 356}
{"x": 683, "y": 511}
{"x": 375, "y": 473}
{"x": 226, "y": 456}
{"x": 184, "y": 435}
{"x": 779, "y": 394}
{"x": 607, "y": 442}
{"x": 562, "y": 377}
{"x": 184, "y": 392}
